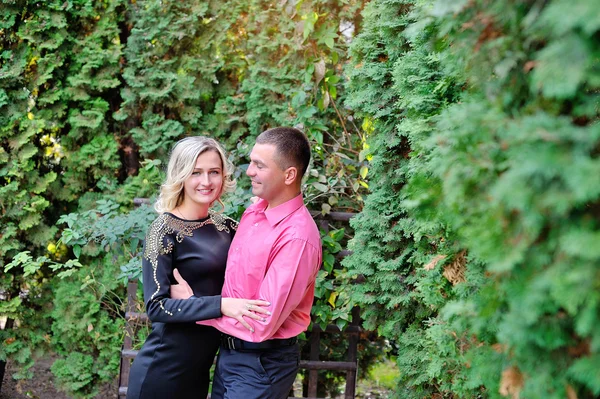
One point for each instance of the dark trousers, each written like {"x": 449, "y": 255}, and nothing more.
{"x": 261, "y": 374}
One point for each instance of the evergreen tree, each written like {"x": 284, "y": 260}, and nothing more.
{"x": 484, "y": 195}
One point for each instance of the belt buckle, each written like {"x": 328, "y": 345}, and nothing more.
{"x": 230, "y": 342}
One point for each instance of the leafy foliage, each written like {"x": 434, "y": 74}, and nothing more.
{"x": 475, "y": 252}
{"x": 481, "y": 270}
{"x": 92, "y": 97}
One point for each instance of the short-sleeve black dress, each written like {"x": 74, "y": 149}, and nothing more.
{"x": 177, "y": 355}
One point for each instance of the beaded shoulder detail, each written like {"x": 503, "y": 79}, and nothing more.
{"x": 165, "y": 224}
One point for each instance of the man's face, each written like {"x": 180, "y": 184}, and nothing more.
{"x": 268, "y": 180}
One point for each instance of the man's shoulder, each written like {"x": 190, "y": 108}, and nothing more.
{"x": 301, "y": 225}
{"x": 254, "y": 207}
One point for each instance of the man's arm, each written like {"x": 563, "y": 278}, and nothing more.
{"x": 291, "y": 271}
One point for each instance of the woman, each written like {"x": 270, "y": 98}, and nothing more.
{"x": 188, "y": 240}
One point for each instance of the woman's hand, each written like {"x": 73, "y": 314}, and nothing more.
{"x": 237, "y": 308}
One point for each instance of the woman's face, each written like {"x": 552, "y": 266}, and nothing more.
{"x": 204, "y": 185}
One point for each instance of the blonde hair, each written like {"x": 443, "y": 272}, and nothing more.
{"x": 181, "y": 165}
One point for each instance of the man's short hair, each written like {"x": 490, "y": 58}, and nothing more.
{"x": 291, "y": 145}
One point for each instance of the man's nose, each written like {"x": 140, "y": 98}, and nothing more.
{"x": 250, "y": 170}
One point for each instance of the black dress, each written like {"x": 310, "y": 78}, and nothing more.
{"x": 176, "y": 358}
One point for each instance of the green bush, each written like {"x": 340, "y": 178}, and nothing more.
{"x": 482, "y": 270}
{"x": 92, "y": 97}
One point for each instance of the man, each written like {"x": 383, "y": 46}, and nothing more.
{"x": 275, "y": 256}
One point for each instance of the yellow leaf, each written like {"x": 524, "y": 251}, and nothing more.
{"x": 51, "y": 248}
{"x": 32, "y": 61}
{"x": 332, "y": 298}
{"x": 30, "y": 116}
{"x": 363, "y": 172}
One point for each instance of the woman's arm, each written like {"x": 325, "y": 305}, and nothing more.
{"x": 157, "y": 271}
{"x": 235, "y": 308}
{"x": 160, "y": 307}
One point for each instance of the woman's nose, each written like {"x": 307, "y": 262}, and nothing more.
{"x": 204, "y": 179}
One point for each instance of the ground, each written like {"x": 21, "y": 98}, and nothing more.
{"x": 42, "y": 387}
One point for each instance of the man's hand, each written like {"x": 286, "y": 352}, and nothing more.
{"x": 182, "y": 289}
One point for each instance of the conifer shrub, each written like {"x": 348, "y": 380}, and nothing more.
{"x": 475, "y": 242}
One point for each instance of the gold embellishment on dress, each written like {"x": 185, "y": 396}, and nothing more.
{"x": 233, "y": 223}
{"x": 167, "y": 224}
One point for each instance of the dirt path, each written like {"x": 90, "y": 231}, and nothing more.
{"x": 42, "y": 385}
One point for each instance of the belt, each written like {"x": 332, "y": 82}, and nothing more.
{"x": 229, "y": 342}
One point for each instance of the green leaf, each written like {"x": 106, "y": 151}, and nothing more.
{"x": 586, "y": 371}
{"x": 337, "y": 235}
{"x": 77, "y": 251}
{"x": 334, "y": 57}
{"x": 309, "y": 23}
{"x": 328, "y": 261}
{"x": 321, "y": 187}
{"x": 332, "y": 79}
{"x": 333, "y": 92}
{"x": 555, "y": 78}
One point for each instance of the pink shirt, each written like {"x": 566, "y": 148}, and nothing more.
{"x": 275, "y": 255}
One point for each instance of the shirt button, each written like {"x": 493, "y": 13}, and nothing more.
{"x": 255, "y": 224}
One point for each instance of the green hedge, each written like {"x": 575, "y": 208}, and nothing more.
{"x": 478, "y": 141}
{"x": 93, "y": 94}
{"x": 478, "y": 240}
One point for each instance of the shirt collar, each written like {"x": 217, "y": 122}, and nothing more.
{"x": 277, "y": 214}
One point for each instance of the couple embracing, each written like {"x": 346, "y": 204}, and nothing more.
{"x": 212, "y": 285}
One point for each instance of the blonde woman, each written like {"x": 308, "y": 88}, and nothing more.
{"x": 187, "y": 240}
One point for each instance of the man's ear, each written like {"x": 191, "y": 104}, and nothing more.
{"x": 291, "y": 175}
